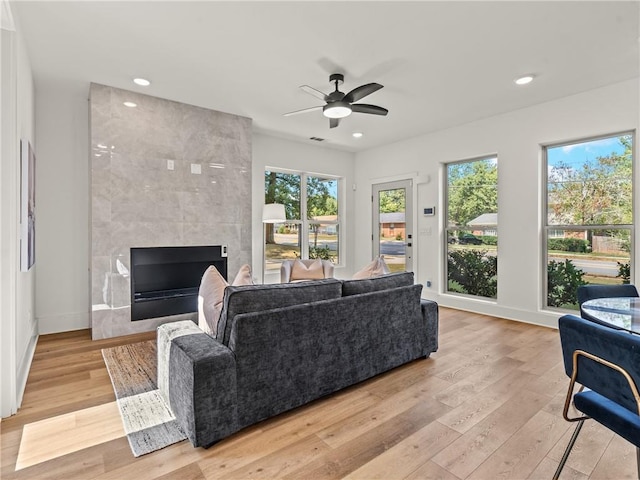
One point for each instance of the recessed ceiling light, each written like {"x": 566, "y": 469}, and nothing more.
{"x": 524, "y": 79}
{"x": 142, "y": 81}
{"x": 130, "y": 104}
{"x": 357, "y": 134}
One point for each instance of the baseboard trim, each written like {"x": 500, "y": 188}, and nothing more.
{"x": 542, "y": 318}
{"x": 24, "y": 366}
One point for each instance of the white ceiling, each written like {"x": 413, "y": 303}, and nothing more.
{"x": 441, "y": 63}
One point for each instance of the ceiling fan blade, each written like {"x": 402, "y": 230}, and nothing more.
{"x": 314, "y": 92}
{"x": 304, "y": 110}
{"x": 361, "y": 92}
{"x": 334, "y": 122}
{"x": 364, "y": 108}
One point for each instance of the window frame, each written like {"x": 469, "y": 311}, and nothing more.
{"x": 546, "y": 227}
{"x": 304, "y": 223}
{"x": 447, "y": 229}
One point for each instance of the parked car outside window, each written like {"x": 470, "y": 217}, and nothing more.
{"x": 469, "y": 239}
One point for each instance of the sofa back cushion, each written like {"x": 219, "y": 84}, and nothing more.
{"x": 366, "y": 285}
{"x": 256, "y": 298}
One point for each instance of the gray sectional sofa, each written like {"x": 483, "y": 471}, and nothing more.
{"x": 280, "y": 346}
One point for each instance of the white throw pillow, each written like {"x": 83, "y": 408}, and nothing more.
{"x": 302, "y": 271}
{"x": 210, "y": 297}
{"x": 376, "y": 268}
{"x": 244, "y": 276}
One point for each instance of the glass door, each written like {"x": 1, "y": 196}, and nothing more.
{"x": 393, "y": 224}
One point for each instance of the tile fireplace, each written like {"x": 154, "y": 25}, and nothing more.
{"x": 163, "y": 175}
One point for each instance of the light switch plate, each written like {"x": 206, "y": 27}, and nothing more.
{"x": 196, "y": 168}
{"x": 170, "y": 165}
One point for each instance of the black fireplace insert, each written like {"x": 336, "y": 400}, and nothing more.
{"x": 165, "y": 280}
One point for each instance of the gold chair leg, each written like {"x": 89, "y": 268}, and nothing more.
{"x": 567, "y": 451}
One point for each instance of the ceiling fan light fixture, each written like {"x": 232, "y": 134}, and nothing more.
{"x": 336, "y": 110}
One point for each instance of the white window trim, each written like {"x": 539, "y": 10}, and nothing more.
{"x": 304, "y": 222}
{"x": 447, "y": 228}
{"x": 545, "y": 212}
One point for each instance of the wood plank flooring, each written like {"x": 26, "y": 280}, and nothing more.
{"x": 487, "y": 405}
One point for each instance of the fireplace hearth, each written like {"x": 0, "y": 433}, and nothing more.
{"x": 165, "y": 280}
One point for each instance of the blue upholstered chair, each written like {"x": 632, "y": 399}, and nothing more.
{"x": 605, "y": 362}
{"x": 589, "y": 292}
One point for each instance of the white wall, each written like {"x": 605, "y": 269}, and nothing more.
{"x": 275, "y": 152}
{"x": 62, "y": 257}
{"x": 516, "y": 138}
{"x": 62, "y": 187}
{"x": 18, "y": 324}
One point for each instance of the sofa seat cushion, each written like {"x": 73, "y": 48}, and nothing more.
{"x": 366, "y": 285}
{"x": 256, "y": 298}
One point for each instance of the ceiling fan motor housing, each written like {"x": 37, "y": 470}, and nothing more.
{"x": 336, "y": 77}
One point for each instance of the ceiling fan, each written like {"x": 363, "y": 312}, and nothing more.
{"x": 339, "y": 105}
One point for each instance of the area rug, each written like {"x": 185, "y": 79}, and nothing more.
{"x": 148, "y": 421}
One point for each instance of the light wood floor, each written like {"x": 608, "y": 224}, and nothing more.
{"x": 487, "y": 405}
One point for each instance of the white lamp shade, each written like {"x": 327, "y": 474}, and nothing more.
{"x": 273, "y": 213}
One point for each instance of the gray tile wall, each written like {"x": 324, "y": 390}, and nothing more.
{"x": 136, "y": 201}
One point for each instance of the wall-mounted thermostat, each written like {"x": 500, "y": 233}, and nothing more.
{"x": 430, "y": 211}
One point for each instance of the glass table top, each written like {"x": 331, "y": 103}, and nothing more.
{"x": 620, "y": 312}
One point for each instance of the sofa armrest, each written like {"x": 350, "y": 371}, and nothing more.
{"x": 198, "y": 376}
{"x": 430, "y": 316}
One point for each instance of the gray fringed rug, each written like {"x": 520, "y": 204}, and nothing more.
{"x": 148, "y": 421}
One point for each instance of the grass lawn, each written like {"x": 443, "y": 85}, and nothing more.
{"x": 396, "y": 267}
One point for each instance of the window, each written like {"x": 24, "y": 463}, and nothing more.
{"x": 472, "y": 227}
{"x": 589, "y": 216}
{"x": 313, "y": 235}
